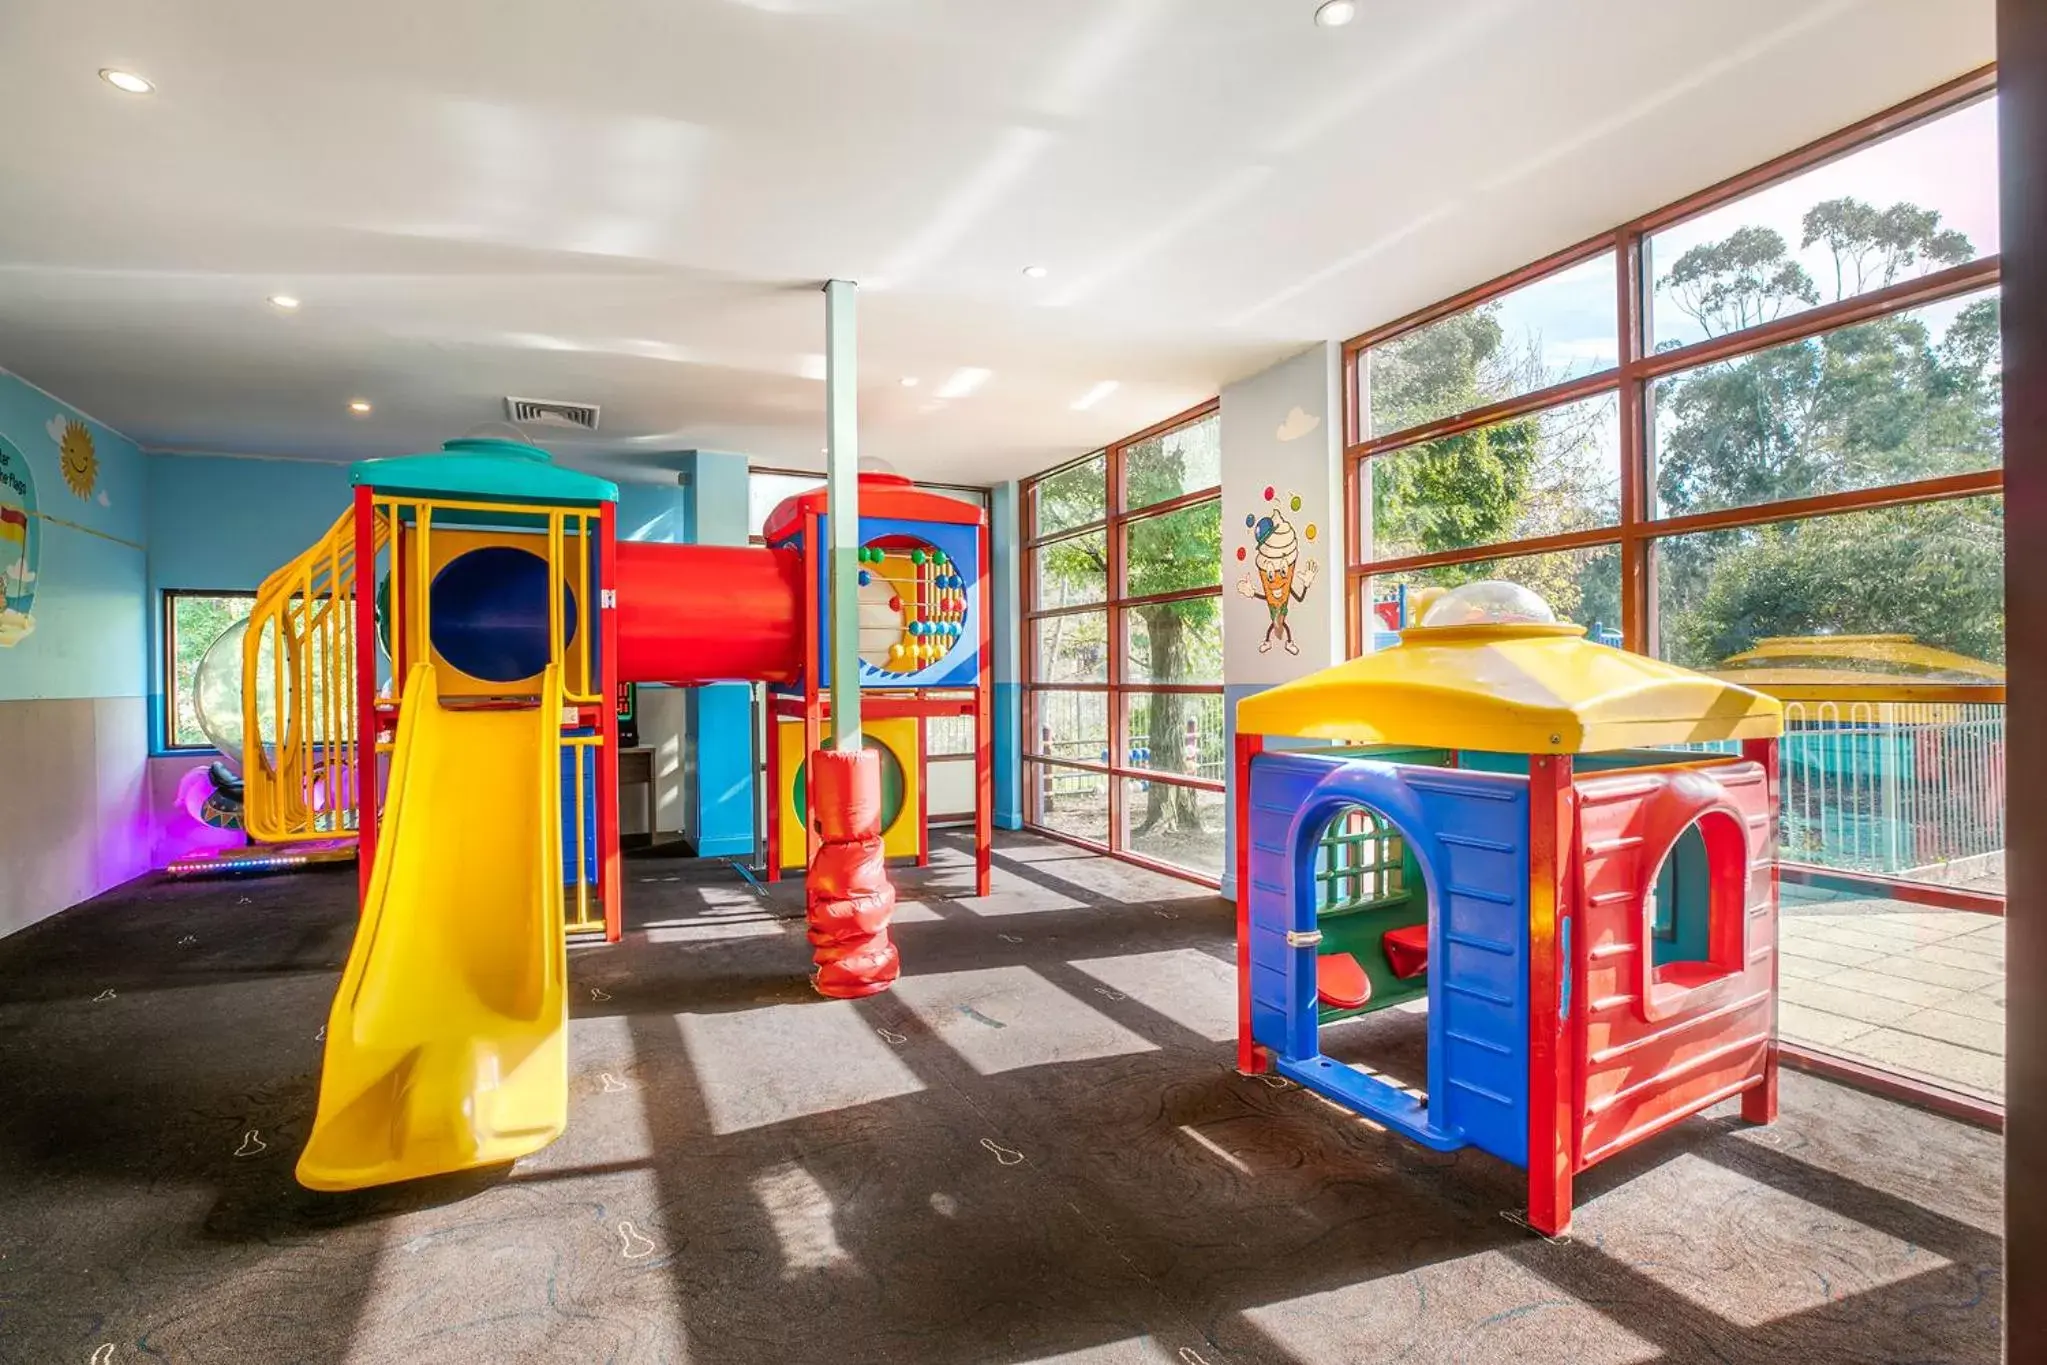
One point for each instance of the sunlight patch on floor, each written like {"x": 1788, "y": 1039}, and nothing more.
{"x": 800, "y": 1212}
{"x": 774, "y": 1063}
{"x": 1002, "y": 1018}
{"x": 1194, "y": 989}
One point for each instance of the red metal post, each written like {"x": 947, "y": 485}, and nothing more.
{"x": 610, "y": 882}
{"x": 813, "y": 708}
{"x": 984, "y": 736}
{"x": 1759, "y": 1105}
{"x": 1250, "y": 1060}
{"x": 366, "y": 685}
{"x": 923, "y": 792}
{"x": 771, "y": 778}
{"x": 1552, "y": 1147}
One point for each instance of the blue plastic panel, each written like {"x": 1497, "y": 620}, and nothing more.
{"x": 1469, "y": 833}
{"x": 570, "y": 755}
{"x": 961, "y": 544}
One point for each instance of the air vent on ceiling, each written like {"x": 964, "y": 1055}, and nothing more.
{"x": 546, "y": 412}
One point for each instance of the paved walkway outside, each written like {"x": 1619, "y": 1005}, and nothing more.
{"x": 1908, "y": 988}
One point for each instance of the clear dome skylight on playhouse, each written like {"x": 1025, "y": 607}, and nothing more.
{"x": 1489, "y": 603}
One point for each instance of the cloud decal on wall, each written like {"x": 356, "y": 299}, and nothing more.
{"x": 104, "y": 500}
{"x": 55, "y": 426}
{"x": 1297, "y": 424}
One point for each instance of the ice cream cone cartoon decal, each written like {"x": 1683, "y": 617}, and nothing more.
{"x": 1278, "y": 577}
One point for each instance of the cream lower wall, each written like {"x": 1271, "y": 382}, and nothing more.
{"x": 74, "y": 802}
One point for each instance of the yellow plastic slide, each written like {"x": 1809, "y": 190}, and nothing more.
{"x": 446, "y": 1044}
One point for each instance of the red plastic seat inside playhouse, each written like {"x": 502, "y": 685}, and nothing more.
{"x": 1340, "y": 981}
{"x": 1407, "y": 950}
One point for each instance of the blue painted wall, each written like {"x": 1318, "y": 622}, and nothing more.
{"x": 720, "y": 716}
{"x": 223, "y": 524}
{"x": 89, "y": 555}
{"x": 1005, "y": 550}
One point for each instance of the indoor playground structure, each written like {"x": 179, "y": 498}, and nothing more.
{"x": 1565, "y": 849}
{"x": 461, "y": 716}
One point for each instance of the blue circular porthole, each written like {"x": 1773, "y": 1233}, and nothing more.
{"x": 489, "y": 610}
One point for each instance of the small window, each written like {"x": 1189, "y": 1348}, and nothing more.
{"x": 192, "y": 621}
{"x": 1681, "y": 913}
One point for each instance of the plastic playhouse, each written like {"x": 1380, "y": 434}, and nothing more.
{"x": 461, "y": 717}
{"x": 1565, "y": 849}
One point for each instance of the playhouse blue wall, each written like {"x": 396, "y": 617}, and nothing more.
{"x": 1469, "y": 833}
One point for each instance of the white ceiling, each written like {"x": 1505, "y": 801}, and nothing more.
{"x": 632, "y": 202}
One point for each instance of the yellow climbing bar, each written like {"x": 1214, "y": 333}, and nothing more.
{"x": 301, "y": 777}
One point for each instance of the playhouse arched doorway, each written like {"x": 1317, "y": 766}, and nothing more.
{"x": 1372, "y": 912}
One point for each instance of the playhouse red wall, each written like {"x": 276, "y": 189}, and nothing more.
{"x": 1637, "y": 1075}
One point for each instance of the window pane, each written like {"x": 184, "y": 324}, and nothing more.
{"x": 195, "y": 621}
{"x": 1910, "y": 205}
{"x": 1911, "y": 396}
{"x": 1072, "y": 497}
{"x": 1176, "y": 732}
{"x": 1174, "y": 642}
{"x": 1560, "y": 327}
{"x": 1173, "y": 824}
{"x": 1912, "y": 592}
{"x": 1070, "y": 801}
{"x": 765, "y": 491}
{"x": 1553, "y": 471}
{"x": 947, "y": 735}
{"x": 1579, "y": 585}
{"x": 1863, "y": 602}
{"x": 1174, "y": 550}
{"x": 1183, "y": 460}
{"x": 1073, "y": 725}
{"x": 1072, "y": 649}
{"x": 1071, "y": 572}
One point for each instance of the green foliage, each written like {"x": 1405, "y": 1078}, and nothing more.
{"x": 1878, "y": 403}
{"x": 1930, "y": 570}
{"x": 195, "y": 623}
{"x": 1744, "y": 279}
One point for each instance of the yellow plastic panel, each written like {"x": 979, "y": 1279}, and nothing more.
{"x": 446, "y": 1043}
{"x": 898, "y": 734}
{"x": 1516, "y": 689}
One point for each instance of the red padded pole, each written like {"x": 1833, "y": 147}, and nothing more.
{"x": 847, "y": 896}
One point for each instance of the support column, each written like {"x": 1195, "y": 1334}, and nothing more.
{"x": 719, "y": 715}
{"x": 847, "y": 896}
{"x": 1006, "y": 629}
{"x": 842, "y": 510}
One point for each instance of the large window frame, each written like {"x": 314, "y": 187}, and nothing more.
{"x": 1638, "y": 530}
{"x": 1640, "y": 367}
{"x": 174, "y": 682}
{"x": 1120, "y": 686}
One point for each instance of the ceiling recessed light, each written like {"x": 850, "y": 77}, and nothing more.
{"x": 359, "y": 406}
{"x": 126, "y": 81}
{"x": 1335, "y": 13}
{"x": 1095, "y": 395}
{"x": 908, "y": 381}
{"x": 285, "y": 302}
{"x": 1035, "y": 272}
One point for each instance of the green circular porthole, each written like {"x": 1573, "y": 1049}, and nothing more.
{"x": 891, "y": 783}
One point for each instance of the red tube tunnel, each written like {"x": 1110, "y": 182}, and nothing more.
{"x": 690, "y": 614}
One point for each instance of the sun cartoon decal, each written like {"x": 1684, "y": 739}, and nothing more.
{"x": 78, "y": 460}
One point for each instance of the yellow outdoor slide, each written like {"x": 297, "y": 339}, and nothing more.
{"x": 446, "y": 1044}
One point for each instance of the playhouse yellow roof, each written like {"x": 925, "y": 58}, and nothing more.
{"x": 1518, "y": 689}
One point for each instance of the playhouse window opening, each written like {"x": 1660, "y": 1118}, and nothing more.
{"x": 1681, "y": 903}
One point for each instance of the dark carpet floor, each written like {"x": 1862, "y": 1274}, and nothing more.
{"x": 1033, "y": 1150}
